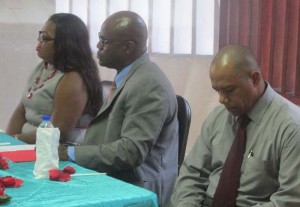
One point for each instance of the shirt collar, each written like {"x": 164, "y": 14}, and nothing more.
{"x": 261, "y": 105}
{"x": 122, "y": 74}
{"x": 120, "y": 77}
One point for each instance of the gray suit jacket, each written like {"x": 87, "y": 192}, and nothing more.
{"x": 134, "y": 137}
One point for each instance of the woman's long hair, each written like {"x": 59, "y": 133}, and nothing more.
{"x": 72, "y": 52}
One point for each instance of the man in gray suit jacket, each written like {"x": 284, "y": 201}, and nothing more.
{"x": 134, "y": 137}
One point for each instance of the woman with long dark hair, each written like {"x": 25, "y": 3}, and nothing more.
{"x": 66, "y": 84}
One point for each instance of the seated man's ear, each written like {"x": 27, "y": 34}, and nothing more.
{"x": 255, "y": 77}
{"x": 130, "y": 46}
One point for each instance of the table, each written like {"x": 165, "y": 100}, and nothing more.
{"x": 8, "y": 140}
{"x": 82, "y": 190}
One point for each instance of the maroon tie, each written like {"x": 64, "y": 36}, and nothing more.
{"x": 226, "y": 192}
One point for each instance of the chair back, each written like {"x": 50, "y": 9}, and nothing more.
{"x": 184, "y": 119}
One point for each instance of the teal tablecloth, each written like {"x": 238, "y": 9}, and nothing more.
{"x": 86, "y": 190}
{"x": 8, "y": 140}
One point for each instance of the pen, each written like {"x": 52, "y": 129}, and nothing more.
{"x": 5, "y": 143}
{"x": 86, "y": 174}
{"x": 250, "y": 154}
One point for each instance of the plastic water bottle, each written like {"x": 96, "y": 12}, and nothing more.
{"x": 47, "y": 141}
{"x": 46, "y": 123}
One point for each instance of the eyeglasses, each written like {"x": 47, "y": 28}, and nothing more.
{"x": 43, "y": 38}
{"x": 103, "y": 41}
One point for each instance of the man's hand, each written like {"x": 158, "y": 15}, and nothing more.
{"x": 63, "y": 152}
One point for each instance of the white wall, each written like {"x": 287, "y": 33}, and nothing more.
{"x": 20, "y": 21}
{"x": 190, "y": 78}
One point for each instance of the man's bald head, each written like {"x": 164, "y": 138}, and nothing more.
{"x": 241, "y": 58}
{"x": 128, "y": 25}
{"x": 236, "y": 76}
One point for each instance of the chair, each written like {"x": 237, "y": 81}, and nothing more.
{"x": 184, "y": 119}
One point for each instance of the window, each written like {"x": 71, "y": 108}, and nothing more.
{"x": 272, "y": 30}
{"x": 175, "y": 26}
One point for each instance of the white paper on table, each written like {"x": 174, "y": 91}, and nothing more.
{"x": 47, "y": 141}
{"x": 11, "y": 148}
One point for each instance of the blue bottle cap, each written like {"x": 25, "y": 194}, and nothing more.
{"x": 46, "y": 117}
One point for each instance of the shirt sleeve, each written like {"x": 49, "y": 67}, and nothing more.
{"x": 71, "y": 154}
{"x": 192, "y": 182}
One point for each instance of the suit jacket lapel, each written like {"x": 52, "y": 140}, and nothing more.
{"x": 135, "y": 66}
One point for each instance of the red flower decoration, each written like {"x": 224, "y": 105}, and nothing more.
{"x": 3, "y": 163}
{"x": 64, "y": 177}
{"x": 10, "y": 182}
{"x": 54, "y": 174}
{"x": 2, "y": 191}
{"x": 59, "y": 175}
{"x": 7, "y": 182}
{"x": 3, "y": 197}
{"x": 69, "y": 170}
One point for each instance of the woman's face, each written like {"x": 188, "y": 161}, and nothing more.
{"x": 45, "y": 47}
